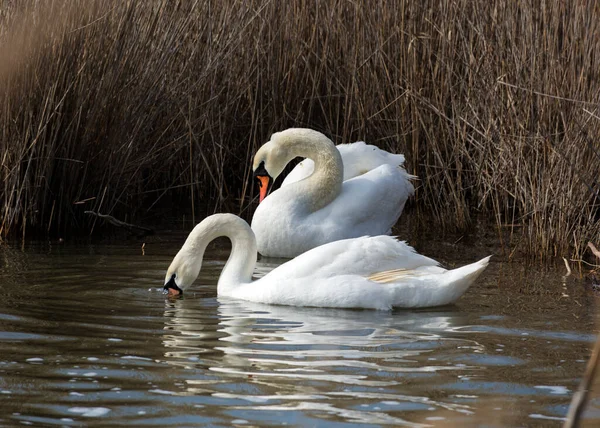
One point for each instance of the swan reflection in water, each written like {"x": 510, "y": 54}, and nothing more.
{"x": 315, "y": 359}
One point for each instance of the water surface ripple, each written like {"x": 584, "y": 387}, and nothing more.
{"x": 87, "y": 338}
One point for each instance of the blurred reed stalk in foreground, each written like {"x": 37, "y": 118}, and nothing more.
{"x": 143, "y": 110}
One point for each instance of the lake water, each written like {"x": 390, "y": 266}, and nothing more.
{"x": 87, "y": 338}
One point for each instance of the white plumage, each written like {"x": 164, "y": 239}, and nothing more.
{"x": 337, "y": 193}
{"x": 368, "y": 272}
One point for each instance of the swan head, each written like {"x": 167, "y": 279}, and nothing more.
{"x": 271, "y": 159}
{"x": 269, "y": 162}
{"x": 181, "y": 273}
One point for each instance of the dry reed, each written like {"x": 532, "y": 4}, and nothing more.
{"x": 148, "y": 109}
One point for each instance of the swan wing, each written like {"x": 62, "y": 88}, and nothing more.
{"x": 358, "y": 256}
{"x": 360, "y": 158}
{"x": 369, "y": 204}
{"x": 420, "y": 288}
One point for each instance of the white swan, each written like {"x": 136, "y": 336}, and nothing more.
{"x": 311, "y": 210}
{"x": 369, "y": 272}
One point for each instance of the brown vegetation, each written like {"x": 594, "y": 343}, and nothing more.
{"x": 156, "y": 107}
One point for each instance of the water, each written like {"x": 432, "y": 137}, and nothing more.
{"x": 87, "y": 338}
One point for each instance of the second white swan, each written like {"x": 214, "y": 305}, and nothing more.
{"x": 369, "y": 272}
{"x": 326, "y": 199}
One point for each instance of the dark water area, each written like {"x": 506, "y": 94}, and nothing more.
{"x": 87, "y": 338}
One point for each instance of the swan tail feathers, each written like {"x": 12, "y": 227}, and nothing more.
{"x": 431, "y": 288}
{"x": 467, "y": 274}
{"x": 457, "y": 281}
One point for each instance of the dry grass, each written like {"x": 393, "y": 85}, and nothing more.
{"x": 156, "y": 107}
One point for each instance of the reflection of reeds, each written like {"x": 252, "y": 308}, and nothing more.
{"x": 123, "y": 107}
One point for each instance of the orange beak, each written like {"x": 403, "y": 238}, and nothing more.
{"x": 171, "y": 288}
{"x": 172, "y": 292}
{"x": 263, "y": 183}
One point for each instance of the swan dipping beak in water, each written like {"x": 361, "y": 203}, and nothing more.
{"x": 171, "y": 287}
{"x": 376, "y": 272}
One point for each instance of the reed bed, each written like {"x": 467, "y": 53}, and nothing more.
{"x": 148, "y": 110}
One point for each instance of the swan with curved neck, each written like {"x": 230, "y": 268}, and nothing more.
{"x": 369, "y": 272}
{"x": 323, "y": 185}
{"x": 322, "y": 207}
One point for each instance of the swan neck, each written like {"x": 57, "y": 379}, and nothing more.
{"x": 242, "y": 259}
{"x": 325, "y": 183}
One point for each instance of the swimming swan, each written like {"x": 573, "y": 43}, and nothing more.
{"x": 368, "y": 272}
{"x": 315, "y": 205}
